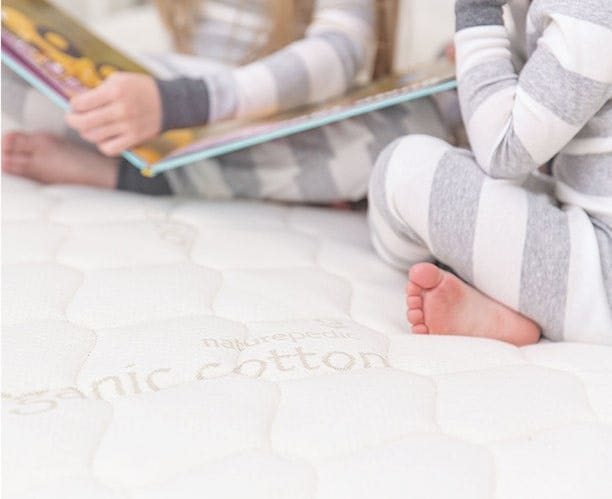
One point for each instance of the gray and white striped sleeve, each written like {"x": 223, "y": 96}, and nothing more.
{"x": 337, "y": 51}
{"x": 517, "y": 122}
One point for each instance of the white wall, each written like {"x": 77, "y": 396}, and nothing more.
{"x": 131, "y": 25}
{"x": 424, "y": 28}
{"x": 92, "y": 9}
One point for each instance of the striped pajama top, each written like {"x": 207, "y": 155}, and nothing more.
{"x": 560, "y": 106}
{"x": 337, "y": 52}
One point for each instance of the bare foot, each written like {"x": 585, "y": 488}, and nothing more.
{"x": 52, "y": 160}
{"x": 440, "y": 303}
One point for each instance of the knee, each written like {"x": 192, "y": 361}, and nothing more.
{"x": 407, "y": 163}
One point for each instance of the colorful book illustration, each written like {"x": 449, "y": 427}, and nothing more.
{"x": 57, "y": 55}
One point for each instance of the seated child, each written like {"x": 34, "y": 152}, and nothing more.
{"x": 267, "y": 58}
{"x": 527, "y": 262}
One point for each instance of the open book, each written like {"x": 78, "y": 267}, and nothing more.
{"x": 56, "y": 54}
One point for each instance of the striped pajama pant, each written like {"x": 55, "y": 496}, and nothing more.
{"x": 514, "y": 242}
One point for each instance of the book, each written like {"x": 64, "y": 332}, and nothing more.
{"x": 56, "y": 54}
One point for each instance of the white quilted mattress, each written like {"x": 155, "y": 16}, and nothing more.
{"x": 164, "y": 348}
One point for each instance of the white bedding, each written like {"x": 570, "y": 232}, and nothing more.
{"x": 164, "y": 348}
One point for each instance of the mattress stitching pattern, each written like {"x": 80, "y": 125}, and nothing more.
{"x": 293, "y": 373}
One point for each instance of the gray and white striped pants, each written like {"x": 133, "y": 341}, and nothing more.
{"x": 323, "y": 165}
{"x": 514, "y": 242}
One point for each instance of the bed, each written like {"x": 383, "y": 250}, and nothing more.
{"x": 159, "y": 347}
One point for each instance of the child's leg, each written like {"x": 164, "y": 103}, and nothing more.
{"x": 395, "y": 241}
{"x": 437, "y": 301}
{"x": 324, "y": 165}
{"x": 514, "y": 245}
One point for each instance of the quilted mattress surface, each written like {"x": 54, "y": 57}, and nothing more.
{"x": 167, "y": 348}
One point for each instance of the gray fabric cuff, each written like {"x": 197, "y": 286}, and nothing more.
{"x": 470, "y": 13}
{"x": 185, "y": 102}
{"x": 130, "y": 179}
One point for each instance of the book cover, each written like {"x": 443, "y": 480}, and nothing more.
{"x": 57, "y": 55}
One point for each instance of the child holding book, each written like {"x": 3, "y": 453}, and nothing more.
{"x": 526, "y": 261}
{"x": 282, "y": 54}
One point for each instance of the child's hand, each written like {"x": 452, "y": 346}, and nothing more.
{"x": 124, "y": 111}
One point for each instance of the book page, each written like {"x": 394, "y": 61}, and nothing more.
{"x": 57, "y": 48}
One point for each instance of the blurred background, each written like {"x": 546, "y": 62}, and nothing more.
{"x": 115, "y": 20}
{"x": 424, "y": 27}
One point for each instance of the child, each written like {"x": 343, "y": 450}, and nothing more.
{"x": 340, "y": 48}
{"x": 531, "y": 263}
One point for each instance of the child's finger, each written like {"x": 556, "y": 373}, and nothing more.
{"x": 93, "y": 119}
{"x": 103, "y": 133}
{"x": 99, "y": 96}
{"x": 116, "y": 145}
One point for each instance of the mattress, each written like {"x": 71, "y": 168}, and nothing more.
{"x": 174, "y": 348}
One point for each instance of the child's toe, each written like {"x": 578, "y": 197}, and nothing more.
{"x": 413, "y": 289}
{"x": 415, "y": 316}
{"x": 420, "y": 329}
{"x": 414, "y": 302}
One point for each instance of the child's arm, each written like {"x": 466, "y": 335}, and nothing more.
{"x": 517, "y": 123}
{"x": 339, "y": 47}
{"x": 337, "y": 52}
